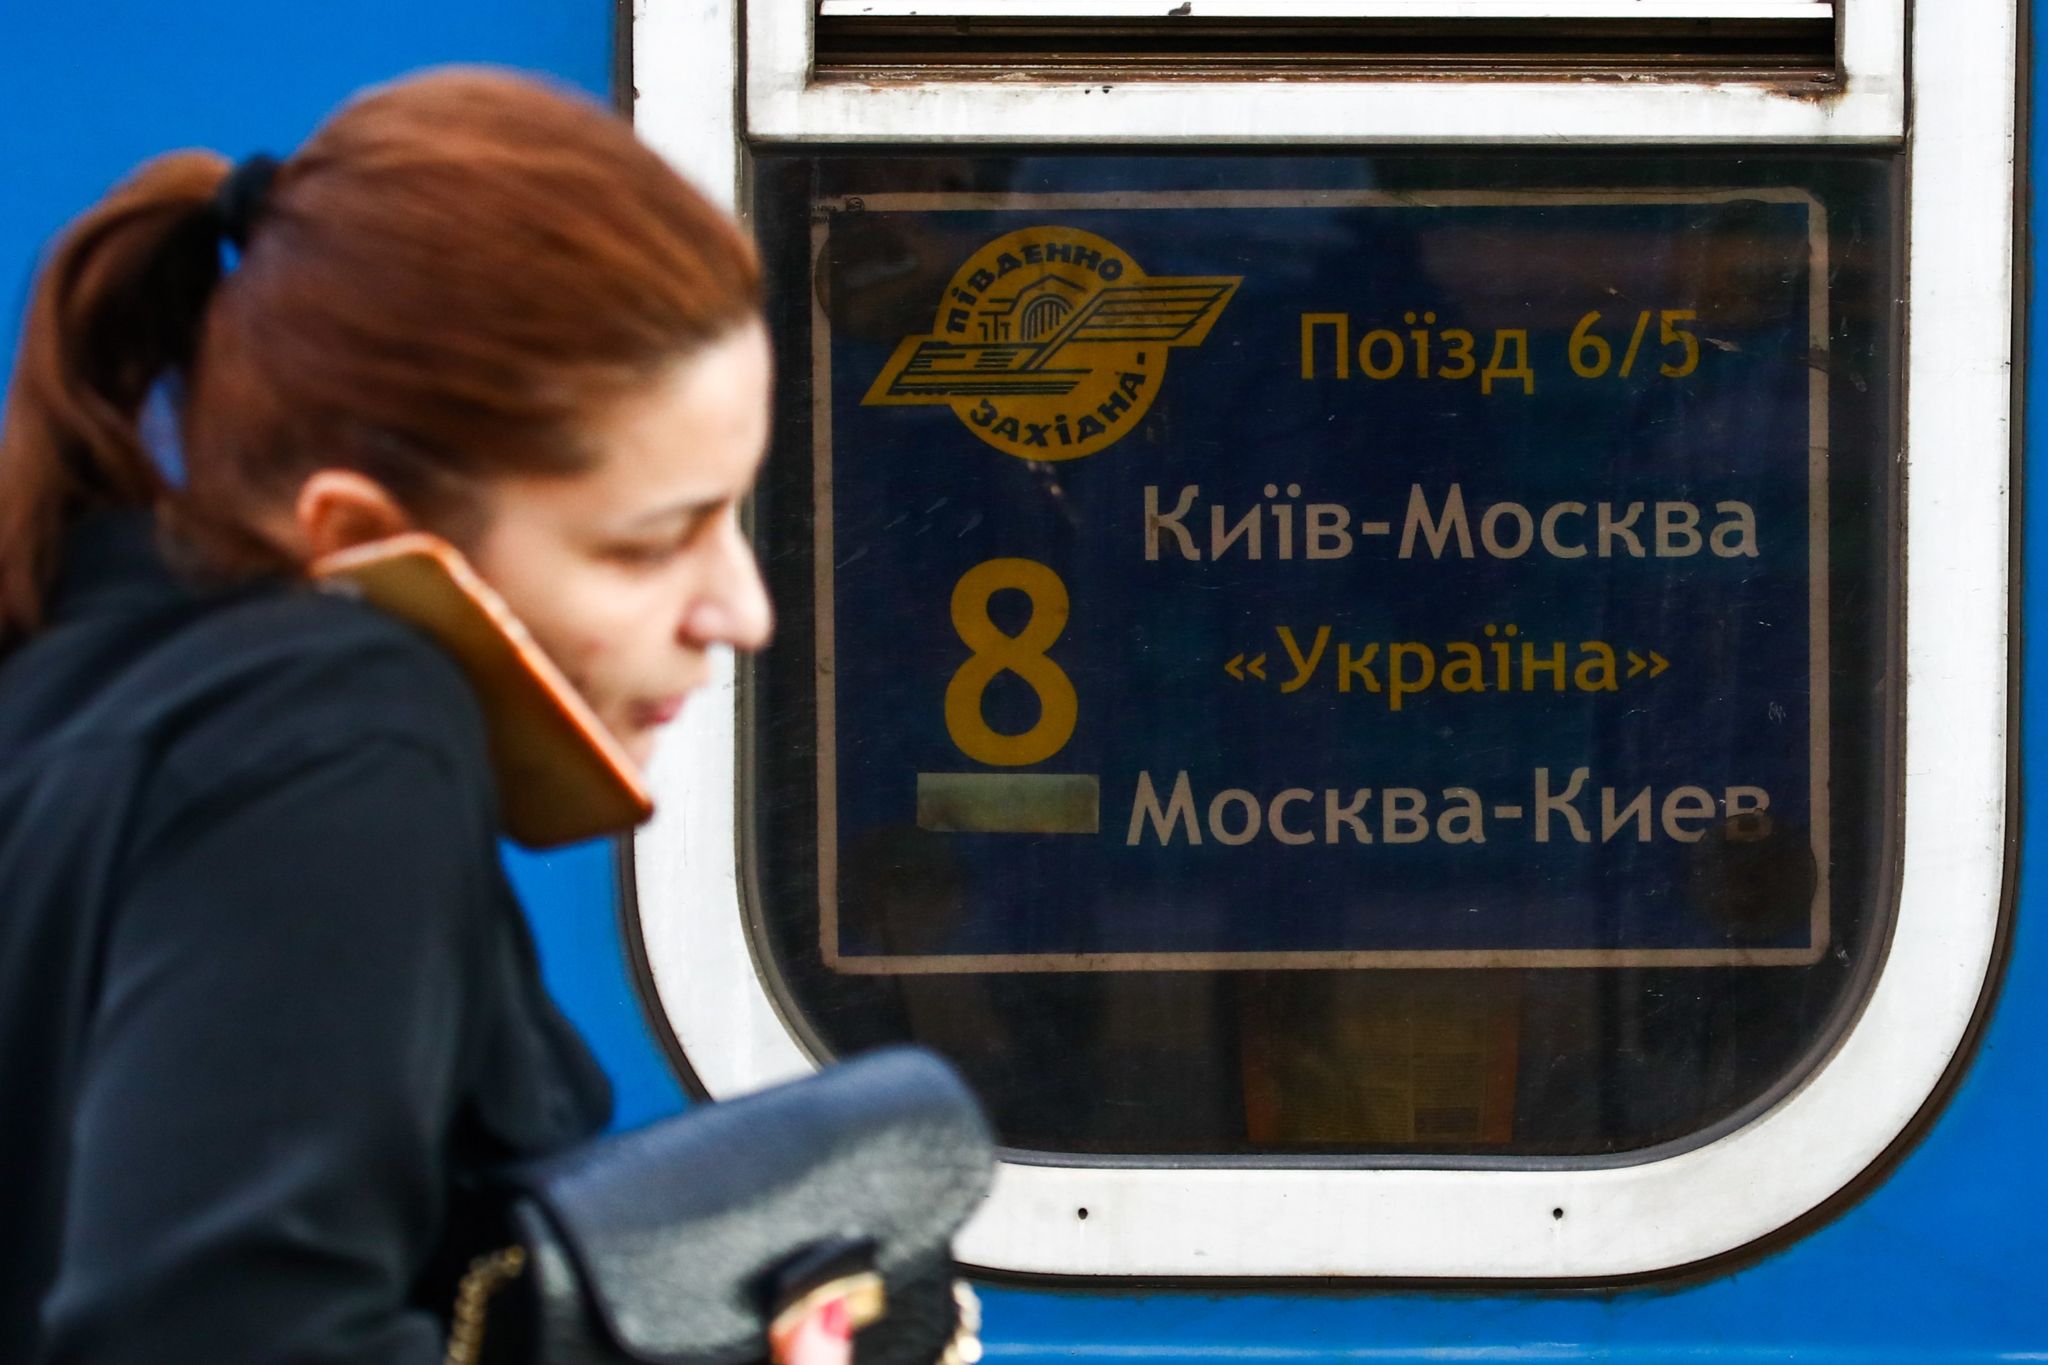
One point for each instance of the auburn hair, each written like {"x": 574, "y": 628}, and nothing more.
{"x": 452, "y": 279}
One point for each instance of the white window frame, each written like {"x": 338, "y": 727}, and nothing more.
{"x": 784, "y": 101}
{"x": 1617, "y": 1220}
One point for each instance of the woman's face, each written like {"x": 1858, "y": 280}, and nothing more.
{"x": 630, "y": 572}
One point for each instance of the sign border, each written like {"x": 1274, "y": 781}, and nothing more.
{"x": 824, "y": 663}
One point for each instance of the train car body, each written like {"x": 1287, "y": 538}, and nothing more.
{"x": 1409, "y": 641}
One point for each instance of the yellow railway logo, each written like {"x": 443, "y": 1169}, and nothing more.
{"x": 1050, "y": 342}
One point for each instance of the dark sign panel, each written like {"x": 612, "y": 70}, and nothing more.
{"x": 1345, "y": 578}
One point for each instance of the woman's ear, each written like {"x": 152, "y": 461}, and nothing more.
{"x": 339, "y": 509}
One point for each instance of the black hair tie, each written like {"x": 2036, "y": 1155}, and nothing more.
{"x": 242, "y": 197}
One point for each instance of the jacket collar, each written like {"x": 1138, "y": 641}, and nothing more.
{"x": 114, "y": 561}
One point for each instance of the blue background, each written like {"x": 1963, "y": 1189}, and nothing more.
{"x": 1943, "y": 1262}
{"x": 1147, "y": 638}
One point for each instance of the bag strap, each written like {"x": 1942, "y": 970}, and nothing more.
{"x": 487, "y": 1274}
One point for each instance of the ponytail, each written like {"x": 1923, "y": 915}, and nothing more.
{"x": 117, "y": 304}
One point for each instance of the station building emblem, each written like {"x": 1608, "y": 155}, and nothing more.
{"x": 1050, "y": 343}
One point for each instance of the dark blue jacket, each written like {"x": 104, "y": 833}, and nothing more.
{"x": 266, "y": 1000}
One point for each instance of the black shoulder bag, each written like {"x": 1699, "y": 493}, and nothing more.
{"x": 679, "y": 1243}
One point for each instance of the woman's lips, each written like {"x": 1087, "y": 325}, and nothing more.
{"x": 658, "y": 711}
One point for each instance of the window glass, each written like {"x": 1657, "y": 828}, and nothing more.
{"x": 1356, "y": 655}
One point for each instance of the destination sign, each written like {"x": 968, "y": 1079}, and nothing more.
{"x": 1332, "y": 579}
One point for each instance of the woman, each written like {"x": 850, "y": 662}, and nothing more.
{"x": 266, "y": 1000}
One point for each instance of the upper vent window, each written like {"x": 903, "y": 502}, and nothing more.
{"x": 1762, "y": 39}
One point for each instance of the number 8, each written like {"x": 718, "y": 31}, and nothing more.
{"x": 1022, "y": 654}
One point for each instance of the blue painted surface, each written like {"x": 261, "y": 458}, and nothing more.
{"x": 1943, "y": 1263}
{"x": 569, "y": 898}
{"x": 94, "y": 88}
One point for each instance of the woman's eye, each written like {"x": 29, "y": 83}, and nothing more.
{"x": 647, "y": 555}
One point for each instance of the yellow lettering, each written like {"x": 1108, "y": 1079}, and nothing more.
{"x": 1303, "y": 667}
{"x": 1590, "y": 354}
{"x": 1498, "y": 368}
{"x": 1400, "y": 681}
{"x": 1554, "y": 666}
{"x": 1461, "y": 343}
{"x": 1688, "y": 344}
{"x": 1022, "y": 654}
{"x": 1464, "y": 669}
{"x": 1361, "y": 666}
{"x": 1340, "y": 324}
{"x": 1596, "y": 670}
{"x": 1395, "y": 353}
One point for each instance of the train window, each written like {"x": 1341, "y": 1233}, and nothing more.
{"x": 1381, "y": 654}
{"x": 1389, "y": 696}
{"x": 1309, "y": 71}
{"x": 1782, "y": 39}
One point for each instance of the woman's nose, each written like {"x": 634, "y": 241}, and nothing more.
{"x": 733, "y": 608}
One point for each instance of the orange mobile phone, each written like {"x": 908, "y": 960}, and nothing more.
{"x": 561, "y": 775}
